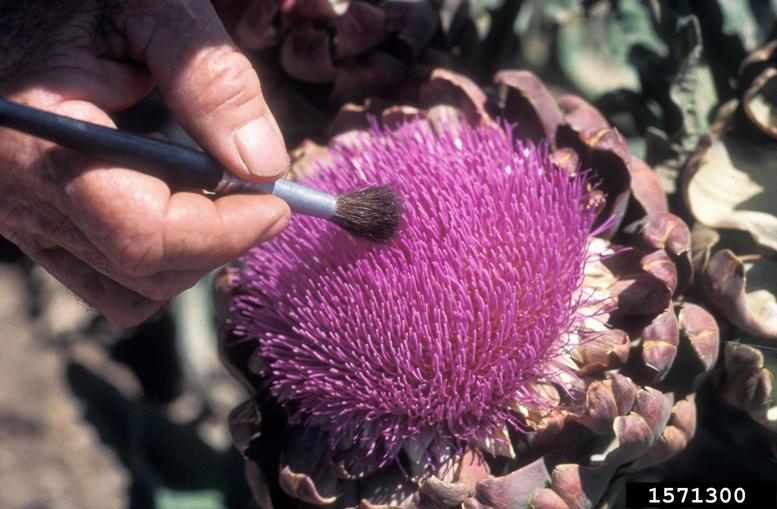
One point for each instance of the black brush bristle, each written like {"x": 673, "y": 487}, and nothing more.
{"x": 373, "y": 213}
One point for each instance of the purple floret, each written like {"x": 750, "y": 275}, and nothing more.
{"x": 444, "y": 327}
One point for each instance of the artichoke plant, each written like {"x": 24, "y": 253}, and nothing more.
{"x": 728, "y": 189}
{"x": 315, "y": 55}
{"x": 523, "y": 342}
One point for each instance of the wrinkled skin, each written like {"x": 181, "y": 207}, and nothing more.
{"x": 119, "y": 239}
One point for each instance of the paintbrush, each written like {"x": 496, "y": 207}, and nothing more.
{"x": 373, "y": 213}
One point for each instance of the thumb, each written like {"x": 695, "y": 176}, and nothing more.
{"x": 209, "y": 85}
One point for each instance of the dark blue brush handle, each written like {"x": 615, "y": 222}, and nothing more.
{"x": 178, "y": 165}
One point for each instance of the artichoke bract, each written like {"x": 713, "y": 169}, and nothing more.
{"x": 315, "y": 55}
{"x": 521, "y": 343}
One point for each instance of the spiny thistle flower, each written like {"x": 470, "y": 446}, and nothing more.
{"x": 444, "y": 329}
{"x": 498, "y": 353}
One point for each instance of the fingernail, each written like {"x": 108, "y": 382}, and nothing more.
{"x": 261, "y": 147}
{"x": 280, "y": 224}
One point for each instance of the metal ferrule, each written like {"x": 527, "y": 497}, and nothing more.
{"x": 301, "y": 199}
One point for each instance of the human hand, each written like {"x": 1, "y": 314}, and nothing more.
{"x": 116, "y": 237}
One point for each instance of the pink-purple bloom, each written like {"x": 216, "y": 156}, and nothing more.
{"x": 446, "y": 327}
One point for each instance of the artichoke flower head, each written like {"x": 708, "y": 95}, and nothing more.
{"x": 434, "y": 340}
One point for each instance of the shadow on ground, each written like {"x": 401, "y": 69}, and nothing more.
{"x": 169, "y": 464}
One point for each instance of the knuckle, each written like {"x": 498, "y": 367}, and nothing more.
{"x": 140, "y": 30}
{"x": 127, "y": 308}
{"x": 230, "y": 83}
